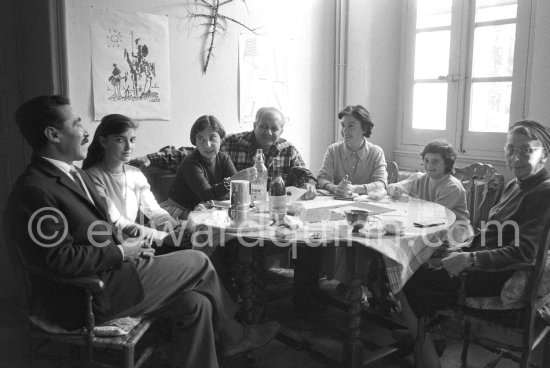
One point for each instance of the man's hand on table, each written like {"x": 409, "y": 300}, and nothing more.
{"x": 311, "y": 191}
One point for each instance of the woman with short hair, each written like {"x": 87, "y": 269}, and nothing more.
{"x": 205, "y": 174}
{"x": 353, "y": 165}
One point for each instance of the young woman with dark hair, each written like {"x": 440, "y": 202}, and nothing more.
{"x": 125, "y": 188}
{"x": 205, "y": 174}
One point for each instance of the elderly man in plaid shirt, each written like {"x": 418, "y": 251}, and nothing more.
{"x": 268, "y": 127}
{"x": 241, "y": 148}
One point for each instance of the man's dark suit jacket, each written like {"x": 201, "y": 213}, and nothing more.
{"x": 43, "y": 190}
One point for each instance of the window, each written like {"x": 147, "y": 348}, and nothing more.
{"x": 465, "y": 71}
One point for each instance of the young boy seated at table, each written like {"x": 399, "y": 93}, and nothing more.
{"x": 436, "y": 184}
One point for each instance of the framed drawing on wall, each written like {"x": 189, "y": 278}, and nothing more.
{"x": 130, "y": 65}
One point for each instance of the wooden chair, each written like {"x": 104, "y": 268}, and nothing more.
{"x": 85, "y": 341}
{"x": 484, "y": 187}
{"x": 521, "y": 316}
{"x": 393, "y": 172}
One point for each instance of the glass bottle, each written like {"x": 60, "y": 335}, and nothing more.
{"x": 277, "y": 194}
{"x": 259, "y": 184}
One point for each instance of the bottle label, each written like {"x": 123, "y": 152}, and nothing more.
{"x": 277, "y": 204}
{"x": 258, "y": 193}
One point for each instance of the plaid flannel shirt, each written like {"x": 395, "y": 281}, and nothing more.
{"x": 241, "y": 147}
{"x": 169, "y": 157}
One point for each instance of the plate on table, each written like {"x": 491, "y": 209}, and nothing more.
{"x": 373, "y": 232}
{"x": 255, "y": 222}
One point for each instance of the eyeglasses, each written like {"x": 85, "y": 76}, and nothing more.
{"x": 524, "y": 151}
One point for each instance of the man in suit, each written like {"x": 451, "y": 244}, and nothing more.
{"x": 61, "y": 225}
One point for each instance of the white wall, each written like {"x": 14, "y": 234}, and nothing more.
{"x": 309, "y": 23}
{"x": 373, "y": 65}
{"x": 373, "y": 59}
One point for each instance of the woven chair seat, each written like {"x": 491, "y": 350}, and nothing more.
{"x": 115, "y": 327}
{"x": 78, "y": 337}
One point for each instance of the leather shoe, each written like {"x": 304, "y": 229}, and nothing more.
{"x": 255, "y": 336}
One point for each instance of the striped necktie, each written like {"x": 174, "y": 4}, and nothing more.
{"x": 78, "y": 181}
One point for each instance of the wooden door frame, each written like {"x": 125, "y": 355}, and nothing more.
{"x": 34, "y": 63}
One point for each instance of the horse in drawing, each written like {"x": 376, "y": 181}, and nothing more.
{"x": 115, "y": 79}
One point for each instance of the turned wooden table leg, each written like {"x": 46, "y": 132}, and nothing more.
{"x": 352, "y": 352}
{"x": 246, "y": 256}
{"x": 259, "y": 280}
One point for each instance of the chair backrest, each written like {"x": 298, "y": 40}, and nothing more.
{"x": 162, "y": 171}
{"x": 539, "y": 268}
{"x": 484, "y": 187}
{"x": 160, "y": 180}
{"x": 393, "y": 171}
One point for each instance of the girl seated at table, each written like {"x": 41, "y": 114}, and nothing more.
{"x": 124, "y": 187}
{"x": 436, "y": 184}
{"x": 205, "y": 174}
{"x": 524, "y": 203}
{"x": 353, "y": 165}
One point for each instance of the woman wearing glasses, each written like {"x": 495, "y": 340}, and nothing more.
{"x": 524, "y": 206}
{"x": 205, "y": 174}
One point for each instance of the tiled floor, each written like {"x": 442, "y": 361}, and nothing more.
{"x": 323, "y": 329}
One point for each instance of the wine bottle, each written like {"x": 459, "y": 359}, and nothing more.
{"x": 259, "y": 184}
{"x": 277, "y": 194}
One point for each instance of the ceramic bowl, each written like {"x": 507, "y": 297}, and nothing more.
{"x": 357, "y": 219}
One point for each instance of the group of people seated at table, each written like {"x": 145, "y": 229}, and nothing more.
{"x": 183, "y": 285}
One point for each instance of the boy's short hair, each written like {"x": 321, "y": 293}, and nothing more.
{"x": 445, "y": 149}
